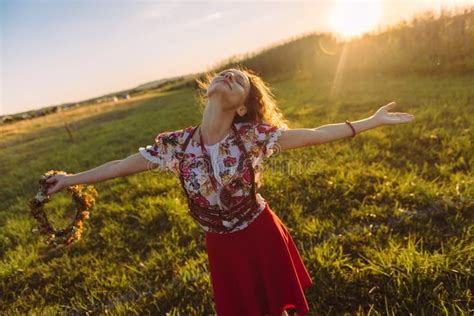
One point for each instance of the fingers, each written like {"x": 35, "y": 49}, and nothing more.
{"x": 400, "y": 118}
{"x": 402, "y": 115}
{"x": 52, "y": 188}
{"x": 51, "y": 179}
{"x": 57, "y": 187}
{"x": 390, "y": 106}
{"x": 50, "y": 191}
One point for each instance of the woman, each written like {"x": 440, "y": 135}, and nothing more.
{"x": 254, "y": 264}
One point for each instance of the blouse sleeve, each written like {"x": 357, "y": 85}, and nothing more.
{"x": 265, "y": 139}
{"x": 163, "y": 151}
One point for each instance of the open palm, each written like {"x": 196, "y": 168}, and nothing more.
{"x": 383, "y": 117}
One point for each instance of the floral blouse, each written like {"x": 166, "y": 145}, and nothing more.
{"x": 259, "y": 141}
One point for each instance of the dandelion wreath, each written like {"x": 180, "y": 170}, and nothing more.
{"x": 84, "y": 200}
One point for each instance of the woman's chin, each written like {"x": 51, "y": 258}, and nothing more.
{"x": 218, "y": 92}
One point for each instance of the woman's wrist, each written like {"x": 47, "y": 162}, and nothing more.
{"x": 69, "y": 180}
{"x": 364, "y": 124}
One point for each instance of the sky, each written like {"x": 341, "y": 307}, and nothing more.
{"x": 55, "y": 52}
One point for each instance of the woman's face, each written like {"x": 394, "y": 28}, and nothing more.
{"x": 231, "y": 85}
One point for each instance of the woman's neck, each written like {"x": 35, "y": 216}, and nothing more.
{"x": 215, "y": 125}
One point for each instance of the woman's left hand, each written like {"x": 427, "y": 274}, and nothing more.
{"x": 383, "y": 117}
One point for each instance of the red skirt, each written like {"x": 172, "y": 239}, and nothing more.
{"x": 258, "y": 270}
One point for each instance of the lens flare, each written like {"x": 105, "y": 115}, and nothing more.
{"x": 351, "y": 18}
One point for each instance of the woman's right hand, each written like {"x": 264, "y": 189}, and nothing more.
{"x": 57, "y": 182}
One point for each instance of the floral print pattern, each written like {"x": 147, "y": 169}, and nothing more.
{"x": 259, "y": 140}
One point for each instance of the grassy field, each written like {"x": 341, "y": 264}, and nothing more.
{"x": 384, "y": 221}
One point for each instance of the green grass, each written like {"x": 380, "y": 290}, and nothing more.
{"x": 384, "y": 221}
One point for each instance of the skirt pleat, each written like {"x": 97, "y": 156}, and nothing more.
{"x": 258, "y": 270}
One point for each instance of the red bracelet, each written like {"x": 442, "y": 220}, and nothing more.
{"x": 352, "y": 127}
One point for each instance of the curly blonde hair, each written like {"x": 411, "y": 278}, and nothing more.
{"x": 261, "y": 104}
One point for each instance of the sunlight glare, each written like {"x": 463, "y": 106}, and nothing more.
{"x": 352, "y": 18}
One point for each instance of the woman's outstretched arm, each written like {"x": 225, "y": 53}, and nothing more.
{"x": 113, "y": 169}
{"x": 302, "y": 137}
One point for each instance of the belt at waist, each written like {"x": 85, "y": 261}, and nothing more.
{"x": 224, "y": 220}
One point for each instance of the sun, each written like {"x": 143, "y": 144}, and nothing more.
{"x": 351, "y": 18}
